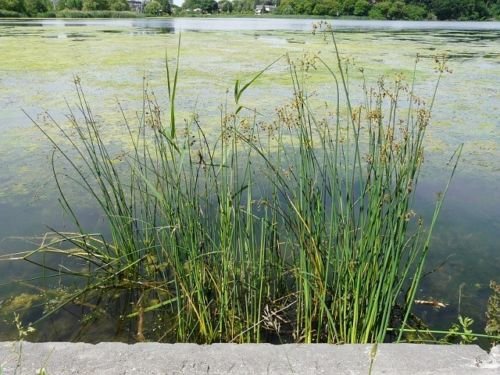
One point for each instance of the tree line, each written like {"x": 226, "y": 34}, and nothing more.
{"x": 376, "y": 9}
{"x": 32, "y": 8}
{"x": 396, "y": 9}
{"x": 222, "y": 6}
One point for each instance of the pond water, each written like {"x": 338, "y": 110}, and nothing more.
{"x": 39, "y": 60}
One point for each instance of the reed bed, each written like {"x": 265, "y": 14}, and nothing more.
{"x": 301, "y": 230}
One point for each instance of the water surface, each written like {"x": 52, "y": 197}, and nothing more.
{"x": 39, "y": 60}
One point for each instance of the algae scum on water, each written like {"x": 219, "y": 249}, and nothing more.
{"x": 115, "y": 63}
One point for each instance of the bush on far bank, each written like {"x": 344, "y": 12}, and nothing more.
{"x": 10, "y": 14}
{"x": 72, "y": 13}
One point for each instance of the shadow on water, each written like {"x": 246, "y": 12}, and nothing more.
{"x": 464, "y": 254}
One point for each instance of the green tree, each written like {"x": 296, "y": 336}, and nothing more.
{"x": 361, "y": 8}
{"x": 422, "y": 3}
{"x": 495, "y": 10}
{"x": 225, "y": 6}
{"x": 153, "y": 8}
{"x": 190, "y": 4}
{"x": 166, "y": 7}
{"x": 446, "y": 9}
{"x": 306, "y": 6}
{"x": 348, "y": 7}
{"x": 119, "y": 5}
{"x": 300, "y": 7}
{"x": 380, "y": 10}
{"x": 287, "y": 7}
{"x": 69, "y": 4}
{"x": 33, "y": 7}
{"x": 243, "y": 6}
{"x": 12, "y": 5}
{"x": 396, "y": 11}
{"x": 327, "y": 8}
{"x": 414, "y": 12}
{"x": 207, "y": 6}
{"x": 95, "y": 5}
{"x": 460, "y": 9}
{"x": 476, "y": 10}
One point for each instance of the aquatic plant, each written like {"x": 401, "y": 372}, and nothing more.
{"x": 296, "y": 229}
{"x": 493, "y": 311}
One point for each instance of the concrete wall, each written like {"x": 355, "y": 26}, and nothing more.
{"x": 151, "y": 358}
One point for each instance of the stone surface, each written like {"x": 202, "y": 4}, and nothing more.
{"x": 60, "y": 358}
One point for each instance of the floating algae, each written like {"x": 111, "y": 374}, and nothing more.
{"x": 39, "y": 64}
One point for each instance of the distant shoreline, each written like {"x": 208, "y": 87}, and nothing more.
{"x": 129, "y": 14}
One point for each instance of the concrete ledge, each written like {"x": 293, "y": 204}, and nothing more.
{"x": 60, "y": 358}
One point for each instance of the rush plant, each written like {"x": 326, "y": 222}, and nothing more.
{"x": 298, "y": 229}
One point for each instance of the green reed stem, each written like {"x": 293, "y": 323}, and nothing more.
{"x": 301, "y": 233}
